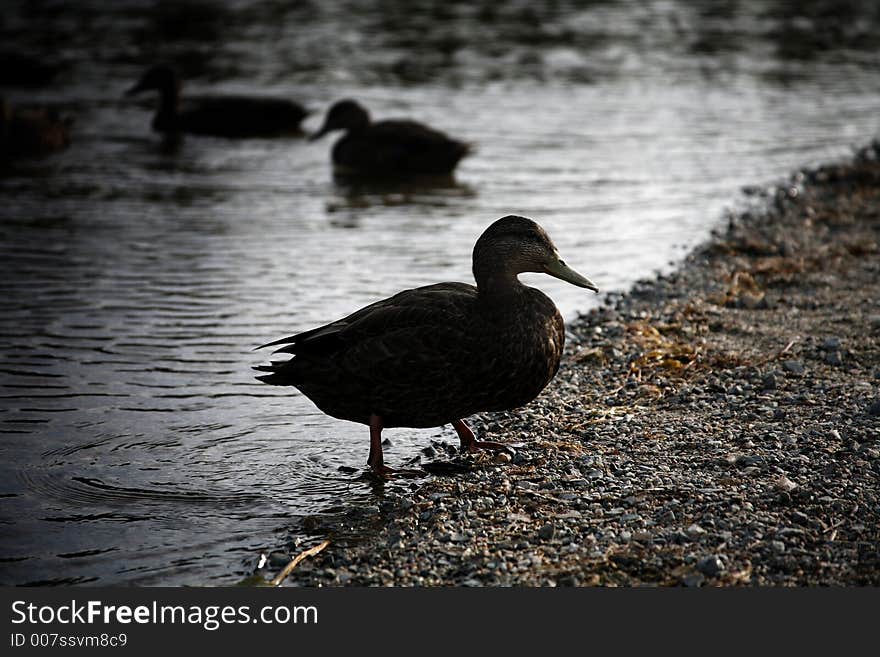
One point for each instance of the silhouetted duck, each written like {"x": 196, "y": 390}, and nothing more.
{"x": 388, "y": 147}
{"x": 222, "y": 116}
{"x": 436, "y": 354}
{"x": 31, "y": 131}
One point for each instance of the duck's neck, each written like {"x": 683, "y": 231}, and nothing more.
{"x": 499, "y": 290}
{"x": 358, "y": 125}
{"x": 169, "y": 99}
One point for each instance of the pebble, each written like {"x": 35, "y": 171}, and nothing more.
{"x": 711, "y": 565}
{"x": 831, "y": 344}
{"x": 547, "y": 532}
{"x": 278, "y": 559}
{"x": 693, "y": 580}
{"x": 785, "y": 484}
{"x": 793, "y": 366}
{"x": 748, "y": 460}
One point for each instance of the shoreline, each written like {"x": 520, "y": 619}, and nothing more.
{"x": 719, "y": 425}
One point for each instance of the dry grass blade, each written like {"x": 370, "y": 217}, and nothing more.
{"x": 312, "y": 551}
{"x": 659, "y": 351}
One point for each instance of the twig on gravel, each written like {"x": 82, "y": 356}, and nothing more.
{"x": 312, "y": 551}
{"x": 788, "y": 346}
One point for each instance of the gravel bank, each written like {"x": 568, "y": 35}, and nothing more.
{"x": 717, "y": 426}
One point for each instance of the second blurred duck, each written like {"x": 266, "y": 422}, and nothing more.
{"x": 31, "y": 131}
{"x": 394, "y": 147}
{"x": 222, "y": 116}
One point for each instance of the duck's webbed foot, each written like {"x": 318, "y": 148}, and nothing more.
{"x": 376, "y": 460}
{"x": 470, "y": 443}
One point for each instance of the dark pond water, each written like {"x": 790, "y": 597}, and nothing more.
{"x": 135, "y": 446}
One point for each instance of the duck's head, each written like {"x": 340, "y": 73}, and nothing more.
{"x": 344, "y": 115}
{"x": 514, "y": 245}
{"x": 161, "y": 78}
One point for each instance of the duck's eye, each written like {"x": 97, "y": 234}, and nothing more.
{"x": 562, "y": 262}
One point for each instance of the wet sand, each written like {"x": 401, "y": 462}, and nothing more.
{"x": 716, "y": 426}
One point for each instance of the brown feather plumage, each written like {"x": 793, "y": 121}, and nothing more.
{"x": 435, "y": 354}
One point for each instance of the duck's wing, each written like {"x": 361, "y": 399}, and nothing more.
{"x": 408, "y": 145}
{"x": 407, "y": 311}
{"x": 412, "y": 133}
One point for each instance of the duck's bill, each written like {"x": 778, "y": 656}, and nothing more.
{"x": 317, "y": 135}
{"x": 134, "y": 89}
{"x": 562, "y": 271}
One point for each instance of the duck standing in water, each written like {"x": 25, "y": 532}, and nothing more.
{"x": 221, "y": 116}
{"x": 31, "y": 131}
{"x": 436, "y": 354}
{"x": 394, "y": 147}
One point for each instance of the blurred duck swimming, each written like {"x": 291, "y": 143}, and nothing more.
{"x": 394, "y": 147}
{"x": 31, "y": 131}
{"x": 222, "y": 116}
{"x": 434, "y": 355}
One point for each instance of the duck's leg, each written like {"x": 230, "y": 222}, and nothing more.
{"x": 469, "y": 441}
{"x": 375, "y": 460}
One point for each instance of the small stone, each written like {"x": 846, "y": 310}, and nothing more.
{"x": 695, "y": 530}
{"x": 778, "y": 546}
{"x": 547, "y": 532}
{"x": 745, "y": 460}
{"x": 793, "y": 366}
{"x": 752, "y": 301}
{"x": 831, "y": 344}
{"x": 693, "y": 580}
{"x": 711, "y": 565}
{"x": 278, "y": 559}
{"x": 783, "y": 483}
{"x": 502, "y": 457}
{"x": 874, "y": 408}
{"x": 769, "y": 382}
{"x": 833, "y": 358}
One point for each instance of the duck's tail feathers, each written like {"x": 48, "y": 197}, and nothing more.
{"x": 287, "y": 340}
{"x": 278, "y": 374}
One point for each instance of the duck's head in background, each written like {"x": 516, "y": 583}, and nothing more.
{"x": 344, "y": 115}
{"x": 161, "y": 78}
